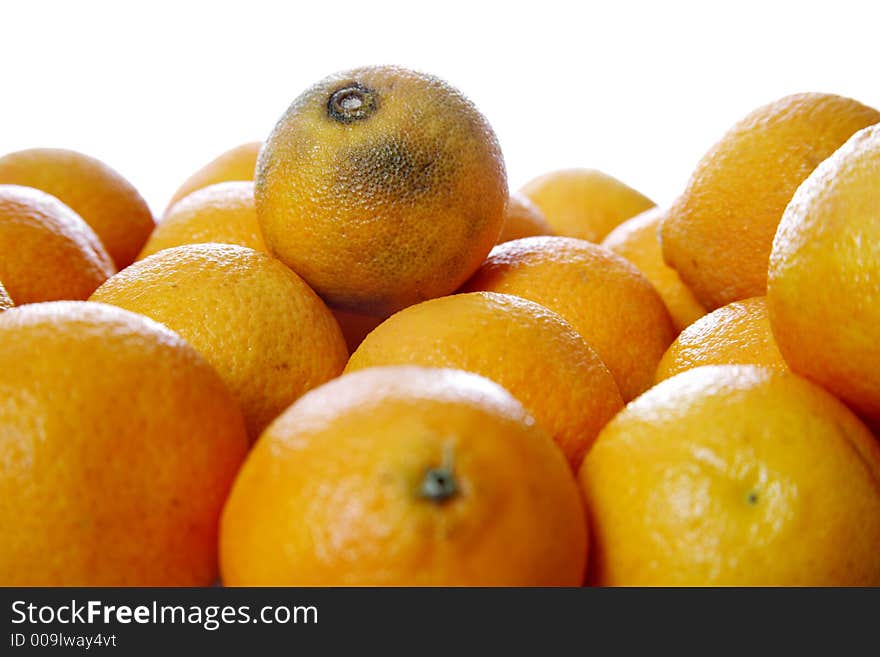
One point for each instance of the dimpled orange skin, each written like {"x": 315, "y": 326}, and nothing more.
{"x": 719, "y": 232}
{"x": 236, "y": 164}
{"x": 603, "y": 296}
{"x": 265, "y": 331}
{"x": 734, "y": 475}
{"x": 5, "y": 301}
{"x": 736, "y": 334}
{"x": 48, "y": 252}
{"x": 521, "y": 345}
{"x": 522, "y": 219}
{"x": 824, "y": 287}
{"x": 638, "y": 241}
{"x": 119, "y": 444}
{"x": 104, "y": 199}
{"x": 222, "y": 213}
{"x": 334, "y": 493}
{"x": 384, "y": 211}
{"x": 584, "y": 203}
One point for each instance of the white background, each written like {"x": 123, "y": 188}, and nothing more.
{"x": 637, "y": 89}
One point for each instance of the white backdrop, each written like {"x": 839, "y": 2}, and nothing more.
{"x": 637, "y": 89}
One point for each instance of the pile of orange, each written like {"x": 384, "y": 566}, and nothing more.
{"x": 350, "y": 355}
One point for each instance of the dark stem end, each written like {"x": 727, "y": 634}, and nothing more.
{"x": 353, "y": 102}
{"x": 439, "y": 485}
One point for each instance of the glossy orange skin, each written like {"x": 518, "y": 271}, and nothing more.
{"x": 236, "y": 164}
{"x": 118, "y": 445}
{"x": 736, "y": 334}
{"x": 382, "y": 212}
{"x": 265, "y": 331}
{"x": 223, "y": 213}
{"x": 333, "y": 493}
{"x": 638, "y": 241}
{"x": 523, "y": 219}
{"x": 101, "y": 196}
{"x": 584, "y": 203}
{"x": 734, "y": 475}
{"x": 603, "y": 296}
{"x": 5, "y": 300}
{"x": 48, "y": 252}
{"x": 528, "y": 349}
{"x": 718, "y": 233}
{"x": 824, "y": 280}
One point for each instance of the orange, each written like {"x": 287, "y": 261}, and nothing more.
{"x": 522, "y": 219}
{"x": 734, "y": 475}
{"x": 236, "y": 164}
{"x": 5, "y": 301}
{"x": 119, "y": 444}
{"x": 268, "y": 335}
{"x": 824, "y": 288}
{"x": 381, "y": 187}
{"x": 222, "y": 213}
{"x": 603, "y": 296}
{"x": 404, "y": 476}
{"x": 718, "y": 234}
{"x": 584, "y": 203}
{"x": 104, "y": 199}
{"x": 47, "y": 252}
{"x": 736, "y": 334}
{"x": 526, "y": 348}
{"x": 637, "y": 240}
{"x": 355, "y": 327}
